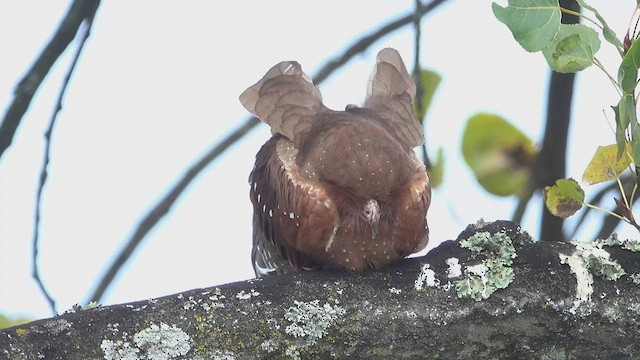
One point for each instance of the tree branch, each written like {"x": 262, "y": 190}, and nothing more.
{"x": 45, "y": 163}
{"x": 79, "y": 12}
{"x": 388, "y": 314}
{"x": 165, "y": 204}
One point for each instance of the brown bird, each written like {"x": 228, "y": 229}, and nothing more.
{"x": 337, "y": 189}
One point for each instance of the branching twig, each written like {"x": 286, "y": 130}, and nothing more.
{"x": 45, "y": 161}
{"x": 521, "y": 207}
{"x": 609, "y": 223}
{"x": 79, "y": 11}
{"x": 165, "y": 204}
{"x": 368, "y": 40}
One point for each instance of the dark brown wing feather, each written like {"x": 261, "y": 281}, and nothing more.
{"x": 413, "y": 202}
{"x": 292, "y": 216}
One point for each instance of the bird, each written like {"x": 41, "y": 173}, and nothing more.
{"x": 337, "y": 190}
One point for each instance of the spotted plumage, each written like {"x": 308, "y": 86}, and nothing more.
{"x": 337, "y": 189}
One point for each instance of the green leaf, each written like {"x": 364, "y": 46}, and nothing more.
{"x": 564, "y": 198}
{"x": 572, "y": 48}
{"x": 533, "y": 23}
{"x": 621, "y": 137}
{"x": 605, "y": 164}
{"x": 436, "y": 173}
{"x": 607, "y": 32}
{"x": 628, "y": 72}
{"x": 635, "y": 144}
{"x": 500, "y": 156}
{"x": 625, "y": 113}
{"x": 430, "y": 81}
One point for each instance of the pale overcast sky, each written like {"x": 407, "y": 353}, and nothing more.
{"x": 158, "y": 84}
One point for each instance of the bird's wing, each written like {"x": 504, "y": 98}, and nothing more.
{"x": 412, "y": 203}
{"x": 390, "y": 94}
{"x": 286, "y": 99}
{"x": 294, "y": 218}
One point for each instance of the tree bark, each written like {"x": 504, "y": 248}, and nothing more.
{"x": 392, "y": 313}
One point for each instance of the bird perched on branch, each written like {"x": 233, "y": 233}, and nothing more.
{"x": 337, "y": 189}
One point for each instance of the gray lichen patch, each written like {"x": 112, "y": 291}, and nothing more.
{"x": 495, "y": 272}
{"x": 426, "y": 277}
{"x": 56, "y": 326}
{"x": 310, "y": 320}
{"x": 242, "y": 295}
{"x": 79, "y": 307}
{"x": 454, "y": 269}
{"x": 119, "y": 350}
{"x": 155, "y": 342}
{"x": 216, "y": 301}
{"x": 590, "y": 258}
{"x": 614, "y": 240}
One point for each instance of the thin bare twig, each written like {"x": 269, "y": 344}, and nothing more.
{"x": 521, "y": 207}
{"x": 416, "y": 57}
{"x": 165, "y": 204}
{"x": 45, "y": 161}
{"x": 162, "y": 208}
{"x": 79, "y": 11}
{"x": 364, "y": 43}
{"x": 417, "y": 76}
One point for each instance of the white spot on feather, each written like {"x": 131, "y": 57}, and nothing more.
{"x": 331, "y": 238}
{"x": 288, "y": 68}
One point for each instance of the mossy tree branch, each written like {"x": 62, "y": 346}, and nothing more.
{"x": 372, "y": 315}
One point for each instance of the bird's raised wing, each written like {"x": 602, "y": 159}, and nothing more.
{"x": 390, "y": 94}
{"x": 286, "y": 99}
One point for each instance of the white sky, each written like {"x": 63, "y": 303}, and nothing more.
{"x": 158, "y": 84}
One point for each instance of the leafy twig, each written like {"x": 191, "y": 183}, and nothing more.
{"x": 579, "y": 15}
{"x": 627, "y": 182}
